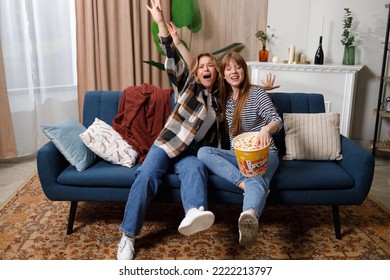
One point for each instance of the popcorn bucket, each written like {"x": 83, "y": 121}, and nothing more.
{"x": 252, "y": 162}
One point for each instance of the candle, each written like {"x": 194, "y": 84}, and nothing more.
{"x": 291, "y": 52}
{"x": 297, "y": 57}
{"x": 322, "y": 25}
{"x": 303, "y": 58}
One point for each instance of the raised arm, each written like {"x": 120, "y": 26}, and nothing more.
{"x": 165, "y": 29}
{"x": 174, "y": 63}
{"x": 185, "y": 53}
{"x": 158, "y": 17}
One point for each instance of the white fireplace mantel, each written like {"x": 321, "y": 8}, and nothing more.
{"x": 336, "y": 82}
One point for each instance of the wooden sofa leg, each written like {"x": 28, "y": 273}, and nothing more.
{"x": 336, "y": 221}
{"x": 72, "y": 216}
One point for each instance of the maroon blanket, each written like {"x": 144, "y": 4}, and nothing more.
{"x": 142, "y": 113}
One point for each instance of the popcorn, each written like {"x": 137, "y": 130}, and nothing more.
{"x": 246, "y": 143}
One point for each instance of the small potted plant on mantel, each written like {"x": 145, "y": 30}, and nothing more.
{"x": 265, "y": 38}
{"x": 348, "y": 38}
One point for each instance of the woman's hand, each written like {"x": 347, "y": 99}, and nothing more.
{"x": 155, "y": 11}
{"x": 185, "y": 53}
{"x": 173, "y": 31}
{"x": 269, "y": 82}
{"x": 263, "y": 137}
{"x": 158, "y": 17}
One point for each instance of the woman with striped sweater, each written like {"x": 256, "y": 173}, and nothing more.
{"x": 247, "y": 108}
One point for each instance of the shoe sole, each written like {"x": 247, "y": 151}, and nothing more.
{"x": 202, "y": 222}
{"x": 248, "y": 228}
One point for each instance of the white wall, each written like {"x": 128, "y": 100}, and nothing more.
{"x": 298, "y": 22}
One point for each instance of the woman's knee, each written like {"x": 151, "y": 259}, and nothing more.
{"x": 204, "y": 152}
{"x": 198, "y": 164}
{"x": 146, "y": 182}
{"x": 191, "y": 163}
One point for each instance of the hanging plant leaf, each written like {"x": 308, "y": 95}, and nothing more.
{"x": 182, "y": 12}
{"x": 227, "y": 48}
{"x": 196, "y": 24}
{"x": 155, "y": 30}
{"x": 155, "y": 64}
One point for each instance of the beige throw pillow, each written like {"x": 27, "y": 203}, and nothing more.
{"x": 108, "y": 144}
{"x": 312, "y": 136}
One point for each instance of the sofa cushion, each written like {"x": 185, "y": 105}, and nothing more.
{"x": 108, "y": 144}
{"x": 106, "y": 174}
{"x": 65, "y": 136}
{"x": 295, "y": 103}
{"x": 310, "y": 175}
{"x": 312, "y": 136}
{"x": 102, "y": 173}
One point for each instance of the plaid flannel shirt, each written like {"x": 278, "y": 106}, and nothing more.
{"x": 190, "y": 108}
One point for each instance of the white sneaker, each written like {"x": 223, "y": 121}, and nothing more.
{"x": 247, "y": 227}
{"x": 196, "y": 220}
{"x": 125, "y": 248}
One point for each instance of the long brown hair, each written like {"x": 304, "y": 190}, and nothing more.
{"x": 225, "y": 89}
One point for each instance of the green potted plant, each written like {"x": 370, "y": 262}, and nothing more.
{"x": 348, "y": 38}
{"x": 265, "y": 38}
{"x": 185, "y": 14}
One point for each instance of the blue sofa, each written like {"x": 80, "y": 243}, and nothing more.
{"x": 296, "y": 182}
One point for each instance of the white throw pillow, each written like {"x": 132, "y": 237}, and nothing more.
{"x": 108, "y": 144}
{"x": 312, "y": 136}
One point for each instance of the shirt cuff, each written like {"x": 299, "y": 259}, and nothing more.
{"x": 166, "y": 40}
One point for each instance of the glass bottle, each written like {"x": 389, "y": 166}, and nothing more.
{"x": 263, "y": 54}
{"x": 319, "y": 56}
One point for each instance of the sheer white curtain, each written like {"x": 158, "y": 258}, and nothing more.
{"x": 39, "y": 52}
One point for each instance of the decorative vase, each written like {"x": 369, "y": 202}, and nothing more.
{"x": 349, "y": 55}
{"x": 263, "y": 54}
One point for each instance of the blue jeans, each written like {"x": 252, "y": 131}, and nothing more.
{"x": 193, "y": 176}
{"x": 224, "y": 164}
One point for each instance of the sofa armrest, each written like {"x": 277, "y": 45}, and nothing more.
{"x": 50, "y": 164}
{"x": 360, "y": 165}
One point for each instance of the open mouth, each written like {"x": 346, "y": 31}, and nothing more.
{"x": 207, "y": 76}
{"x": 234, "y": 77}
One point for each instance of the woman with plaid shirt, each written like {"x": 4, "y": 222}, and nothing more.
{"x": 192, "y": 124}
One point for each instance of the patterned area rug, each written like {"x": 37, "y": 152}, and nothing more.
{"x": 32, "y": 227}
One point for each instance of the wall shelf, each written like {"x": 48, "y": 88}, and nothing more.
{"x": 383, "y": 114}
{"x": 383, "y": 147}
{"x": 385, "y": 79}
{"x": 377, "y": 144}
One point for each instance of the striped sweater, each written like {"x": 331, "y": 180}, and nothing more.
{"x": 258, "y": 112}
